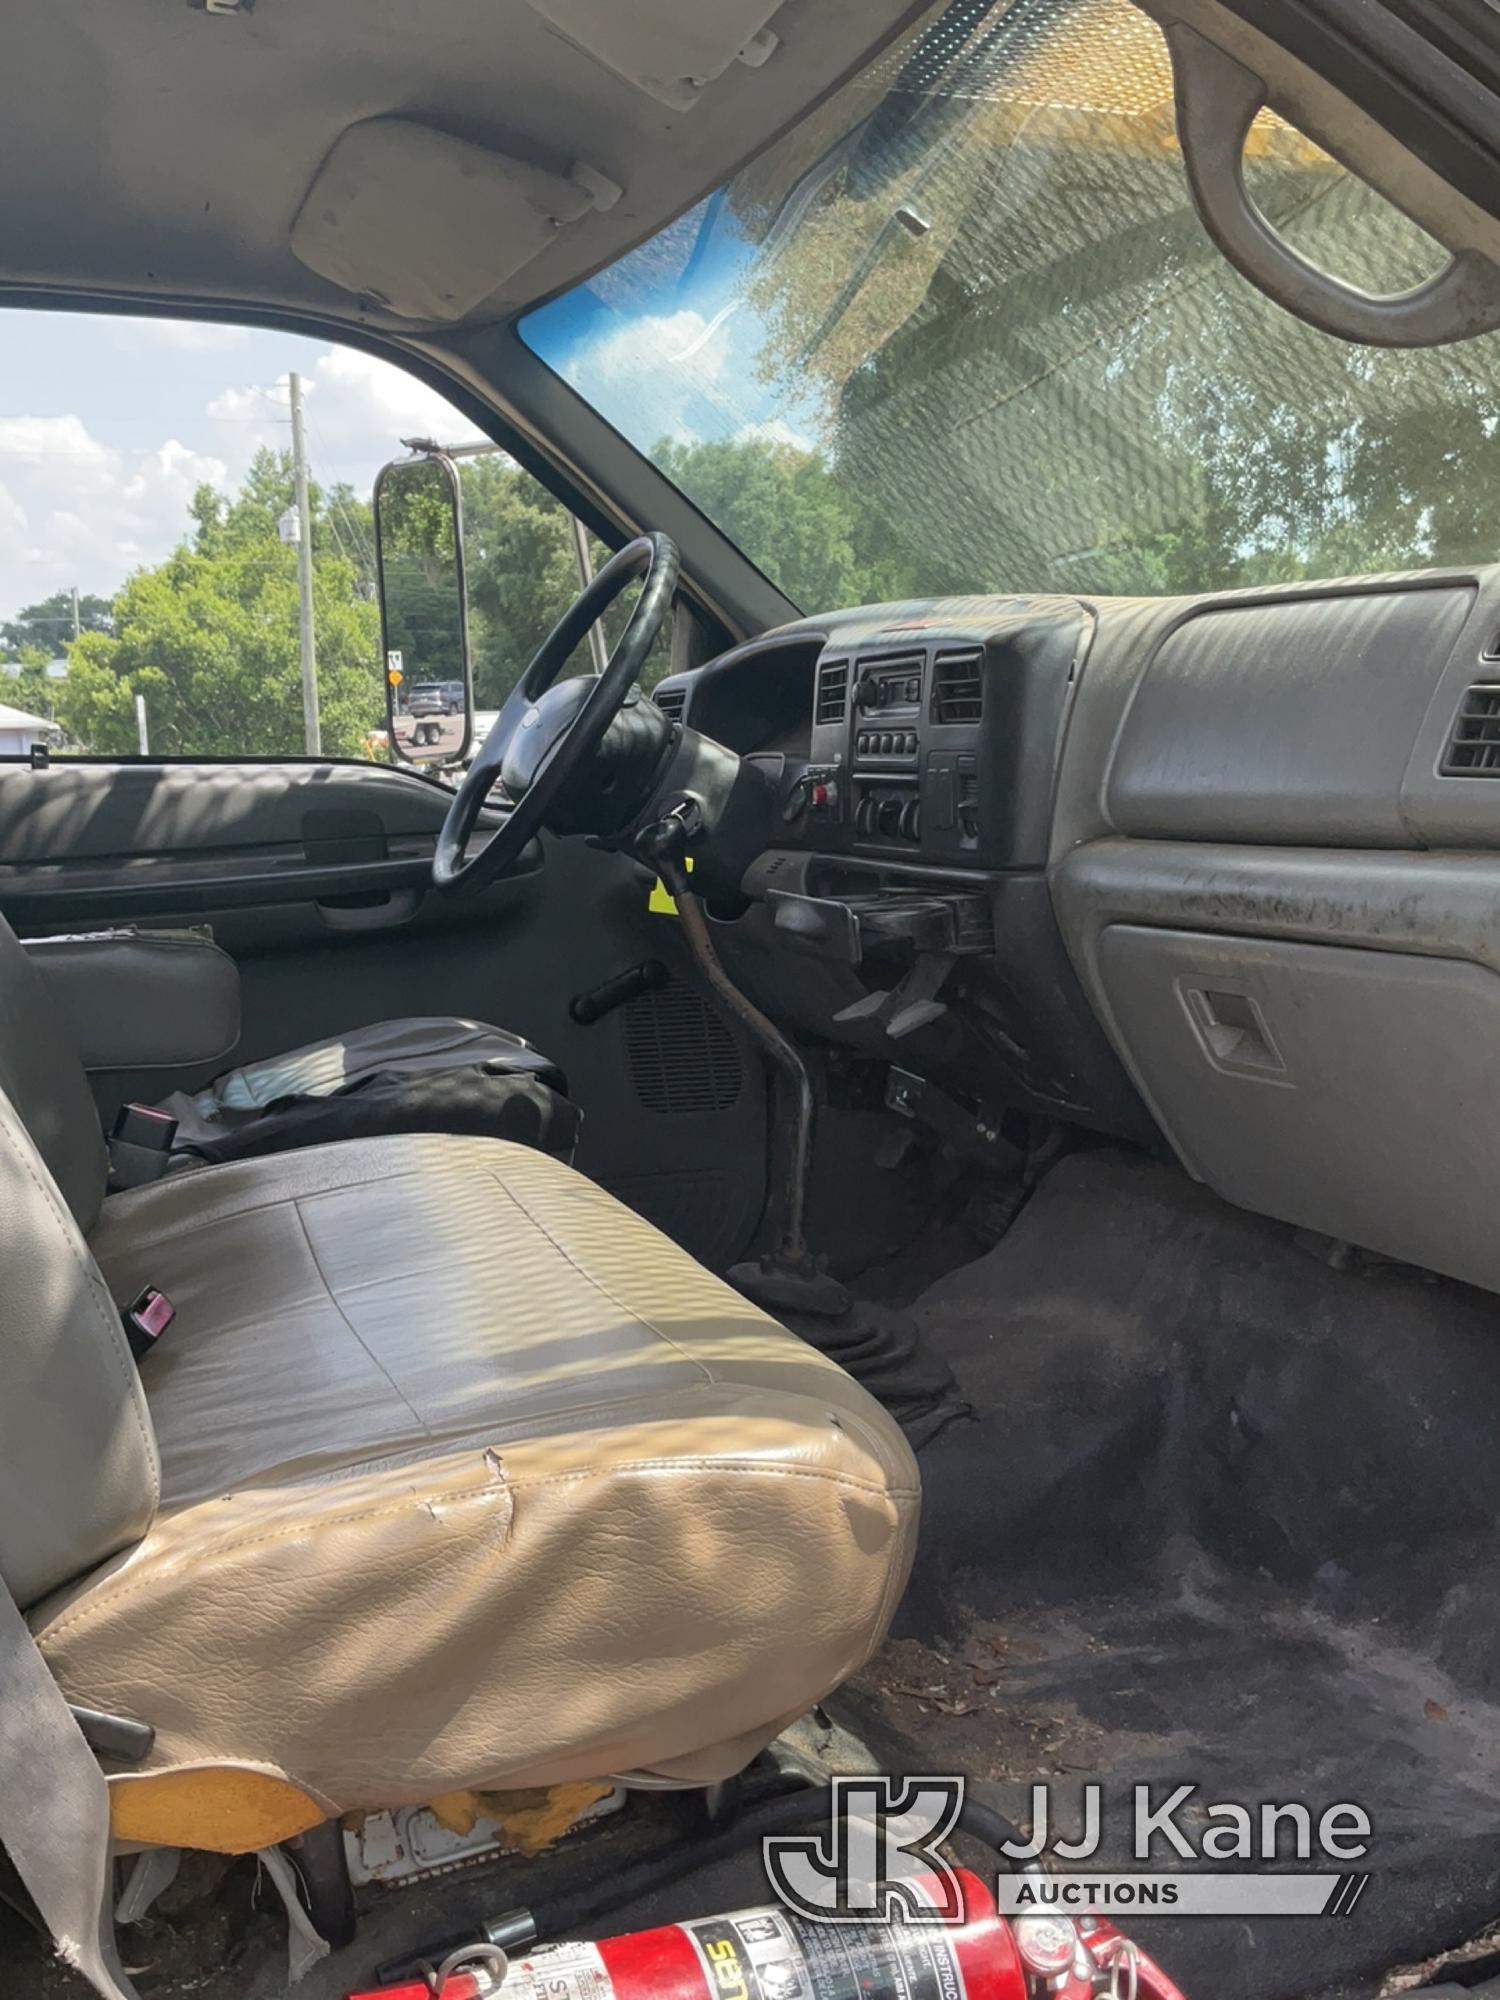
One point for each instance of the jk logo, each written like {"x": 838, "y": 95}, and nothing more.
{"x": 878, "y": 1858}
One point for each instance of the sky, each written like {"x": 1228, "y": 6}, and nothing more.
{"x": 668, "y": 344}
{"x": 108, "y": 424}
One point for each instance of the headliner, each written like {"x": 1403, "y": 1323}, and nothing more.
{"x": 152, "y": 151}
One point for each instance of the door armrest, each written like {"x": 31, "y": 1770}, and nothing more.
{"x": 141, "y": 999}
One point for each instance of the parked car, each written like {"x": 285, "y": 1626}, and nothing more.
{"x": 432, "y": 698}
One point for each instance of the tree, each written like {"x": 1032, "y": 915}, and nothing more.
{"x": 47, "y": 627}
{"x": 522, "y": 576}
{"x": 418, "y": 543}
{"x": 522, "y": 570}
{"x": 808, "y": 528}
{"x": 209, "y": 638}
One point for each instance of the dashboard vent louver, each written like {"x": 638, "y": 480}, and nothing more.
{"x": 671, "y": 701}
{"x": 1474, "y": 745}
{"x": 832, "y": 703}
{"x": 958, "y": 686}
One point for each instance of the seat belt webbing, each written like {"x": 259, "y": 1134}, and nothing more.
{"x": 54, "y": 1810}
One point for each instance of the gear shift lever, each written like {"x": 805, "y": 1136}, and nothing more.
{"x": 787, "y": 1278}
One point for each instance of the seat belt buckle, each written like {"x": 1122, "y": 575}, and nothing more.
{"x": 147, "y": 1319}
{"x": 140, "y": 1146}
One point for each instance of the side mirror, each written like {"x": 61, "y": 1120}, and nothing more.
{"x": 424, "y": 611}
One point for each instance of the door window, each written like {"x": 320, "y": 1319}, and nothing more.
{"x": 150, "y": 595}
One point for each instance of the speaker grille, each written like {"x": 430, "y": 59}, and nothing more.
{"x": 682, "y": 1056}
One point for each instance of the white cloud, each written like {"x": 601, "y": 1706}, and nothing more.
{"x": 357, "y": 411}
{"x": 662, "y": 375}
{"x": 657, "y": 344}
{"x": 185, "y": 336}
{"x": 776, "y": 430}
{"x": 681, "y": 376}
{"x": 76, "y": 510}
{"x": 365, "y": 407}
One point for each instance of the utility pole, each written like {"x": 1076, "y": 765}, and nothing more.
{"x": 76, "y": 626}
{"x": 597, "y": 646}
{"x": 311, "y": 729}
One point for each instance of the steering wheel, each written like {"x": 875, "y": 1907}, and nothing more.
{"x": 548, "y": 730}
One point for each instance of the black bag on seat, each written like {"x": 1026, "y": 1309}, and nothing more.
{"x": 432, "y": 1074}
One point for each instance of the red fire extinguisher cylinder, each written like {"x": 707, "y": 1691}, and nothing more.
{"x": 772, "y": 1953}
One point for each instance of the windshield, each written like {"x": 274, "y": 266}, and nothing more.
{"x": 963, "y": 331}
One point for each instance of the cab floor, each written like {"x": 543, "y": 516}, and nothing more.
{"x": 1224, "y": 1516}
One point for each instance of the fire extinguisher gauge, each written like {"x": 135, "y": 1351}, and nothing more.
{"x": 1047, "y": 1944}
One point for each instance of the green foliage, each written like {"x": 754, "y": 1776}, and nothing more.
{"x": 210, "y": 638}
{"x": 417, "y": 544}
{"x": 522, "y": 571}
{"x": 44, "y": 629}
{"x": 523, "y": 575}
{"x": 810, "y": 530}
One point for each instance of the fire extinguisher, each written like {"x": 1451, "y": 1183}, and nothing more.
{"x": 771, "y": 1953}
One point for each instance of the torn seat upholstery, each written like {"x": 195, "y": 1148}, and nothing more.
{"x": 450, "y": 1472}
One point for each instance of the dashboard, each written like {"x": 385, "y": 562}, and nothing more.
{"x": 912, "y": 756}
{"x": 1220, "y": 872}
{"x": 927, "y": 737}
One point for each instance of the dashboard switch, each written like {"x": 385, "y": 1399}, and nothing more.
{"x": 942, "y": 791}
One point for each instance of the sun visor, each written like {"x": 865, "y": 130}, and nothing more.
{"x": 668, "y": 48}
{"x": 428, "y": 225}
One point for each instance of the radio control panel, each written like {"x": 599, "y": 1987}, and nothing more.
{"x": 945, "y": 743}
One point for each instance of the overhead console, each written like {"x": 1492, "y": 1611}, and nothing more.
{"x": 939, "y": 743}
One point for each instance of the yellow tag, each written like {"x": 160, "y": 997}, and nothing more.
{"x": 663, "y": 903}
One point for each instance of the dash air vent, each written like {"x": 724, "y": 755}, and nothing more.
{"x": 958, "y": 686}
{"x": 671, "y": 701}
{"x": 832, "y": 703}
{"x": 1474, "y": 746}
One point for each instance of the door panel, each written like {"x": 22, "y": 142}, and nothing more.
{"x": 315, "y": 878}
{"x": 119, "y": 841}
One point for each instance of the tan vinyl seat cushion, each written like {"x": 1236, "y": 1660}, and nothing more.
{"x": 469, "y": 1477}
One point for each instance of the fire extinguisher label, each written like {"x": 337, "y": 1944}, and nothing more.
{"x": 560, "y": 1972}
{"x": 772, "y": 1954}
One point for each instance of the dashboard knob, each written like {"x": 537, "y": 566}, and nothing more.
{"x": 911, "y": 820}
{"x": 890, "y": 814}
{"x": 864, "y": 818}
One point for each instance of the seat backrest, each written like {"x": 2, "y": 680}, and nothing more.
{"x": 78, "y": 1468}
{"x": 42, "y": 1073}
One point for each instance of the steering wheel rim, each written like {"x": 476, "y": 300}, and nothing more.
{"x": 653, "y": 557}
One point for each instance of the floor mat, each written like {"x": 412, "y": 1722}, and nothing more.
{"x": 1226, "y": 1517}
{"x": 884, "y": 1351}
